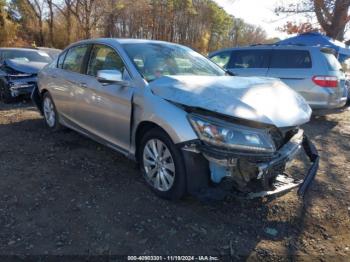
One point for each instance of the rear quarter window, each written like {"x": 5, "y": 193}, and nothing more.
{"x": 291, "y": 59}
{"x": 332, "y": 62}
{"x": 249, "y": 59}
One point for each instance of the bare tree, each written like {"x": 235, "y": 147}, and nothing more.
{"x": 332, "y": 15}
{"x": 88, "y": 13}
{"x": 37, "y": 7}
{"x": 65, "y": 9}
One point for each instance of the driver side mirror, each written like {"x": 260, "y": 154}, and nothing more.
{"x": 111, "y": 77}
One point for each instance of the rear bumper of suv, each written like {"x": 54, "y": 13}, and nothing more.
{"x": 335, "y": 109}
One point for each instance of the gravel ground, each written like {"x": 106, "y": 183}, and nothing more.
{"x": 63, "y": 194}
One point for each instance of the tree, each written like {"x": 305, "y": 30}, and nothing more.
{"x": 332, "y": 15}
{"x": 37, "y": 8}
{"x": 299, "y": 28}
{"x": 8, "y": 28}
{"x": 201, "y": 24}
{"x": 65, "y": 8}
{"x": 50, "y": 20}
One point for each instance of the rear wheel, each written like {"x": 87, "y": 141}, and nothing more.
{"x": 50, "y": 112}
{"x": 162, "y": 165}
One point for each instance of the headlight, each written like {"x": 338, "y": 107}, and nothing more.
{"x": 233, "y": 136}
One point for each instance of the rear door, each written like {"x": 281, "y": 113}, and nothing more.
{"x": 249, "y": 62}
{"x": 65, "y": 79}
{"x": 294, "y": 68}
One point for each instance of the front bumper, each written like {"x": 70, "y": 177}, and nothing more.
{"x": 268, "y": 167}
{"x": 19, "y": 87}
{"x": 286, "y": 154}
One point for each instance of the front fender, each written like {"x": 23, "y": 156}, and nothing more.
{"x": 171, "y": 118}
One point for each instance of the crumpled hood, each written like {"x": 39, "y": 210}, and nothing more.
{"x": 25, "y": 67}
{"x": 260, "y": 99}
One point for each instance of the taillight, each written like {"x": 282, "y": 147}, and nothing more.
{"x": 326, "y": 81}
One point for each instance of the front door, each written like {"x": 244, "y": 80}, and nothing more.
{"x": 105, "y": 109}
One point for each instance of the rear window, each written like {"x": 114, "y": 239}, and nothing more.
{"x": 332, "y": 62}
{"x": 249, "y": 59}
{"x": 290, "y": 59}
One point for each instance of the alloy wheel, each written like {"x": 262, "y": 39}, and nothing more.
{"x": 159, "y": 165}
{"x": 49, "y": 112}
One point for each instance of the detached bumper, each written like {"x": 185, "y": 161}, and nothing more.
{"x": 201, "y": 159}
{"x": 286, "y": 154}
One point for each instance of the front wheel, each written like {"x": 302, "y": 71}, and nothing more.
{"x": 50, "y": 112}
{"x": 162, "y": 165}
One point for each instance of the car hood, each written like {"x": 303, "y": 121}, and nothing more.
{"x": 260, "y": 99}
{"x": 25, "y": 67}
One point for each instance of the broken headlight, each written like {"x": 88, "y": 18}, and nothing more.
{"x": 224, "y": 134}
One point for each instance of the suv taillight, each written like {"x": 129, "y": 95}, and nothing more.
{"x": 326, "y": 81}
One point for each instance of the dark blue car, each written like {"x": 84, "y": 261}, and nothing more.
{"x": 18, "y": 71}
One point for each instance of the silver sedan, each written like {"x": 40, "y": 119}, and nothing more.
{"x": 189, "y": 124}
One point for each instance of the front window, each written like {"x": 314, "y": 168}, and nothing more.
{"x": 104, "y": 58}
{"x": 75, "y": 58}
{"x": 221, "y": 59}
{"x": 154, "y": 60}
{"x": 250, "y": 59}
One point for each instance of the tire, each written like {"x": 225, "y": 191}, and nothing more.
{"x": 5, "y": 94}
{"x": 50, "y": 113}
{"x": 166, "y": 176}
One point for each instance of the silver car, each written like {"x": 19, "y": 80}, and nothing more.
{"x": 189, "y": 124}
{"x": 314, "y": 72}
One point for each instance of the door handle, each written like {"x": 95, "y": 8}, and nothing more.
{"x": 83, "y": 85}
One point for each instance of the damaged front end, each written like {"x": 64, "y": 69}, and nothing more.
{"x": 18, "y": 82}
{"x": 252, "y": 157}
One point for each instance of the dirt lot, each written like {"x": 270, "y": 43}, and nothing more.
{"x": 61, "y": 193}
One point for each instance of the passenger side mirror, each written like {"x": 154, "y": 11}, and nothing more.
{"x": 111, "y": 77}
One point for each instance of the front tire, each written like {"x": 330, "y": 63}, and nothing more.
{"x": 162, "y": 165}
{"x": 50, "y": 112}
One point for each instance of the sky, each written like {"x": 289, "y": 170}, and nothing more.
{"x": 260, "y": 12}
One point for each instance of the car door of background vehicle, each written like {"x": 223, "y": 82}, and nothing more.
{"x": 64, "y": 80}
{"x": 294, "y": 68}
{"x": 105, "y": 109}
{"x": 249, "y": 62}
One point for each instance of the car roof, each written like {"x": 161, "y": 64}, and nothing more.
{"x": 121, "y": 41}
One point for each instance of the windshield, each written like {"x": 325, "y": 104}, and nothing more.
{"x": 26, "y": 56}
{"x": 154, "y": 60}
